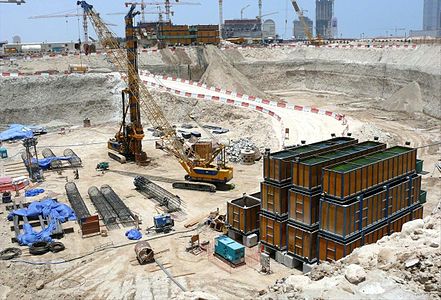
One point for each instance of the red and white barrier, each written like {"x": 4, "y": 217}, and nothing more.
{"x": 279, "y": 104}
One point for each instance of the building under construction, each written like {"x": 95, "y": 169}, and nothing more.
{"x": 242, "y": 28}
{"x": 166, "y": 33}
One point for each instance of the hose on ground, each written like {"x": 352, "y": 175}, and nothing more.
{"x": 9, "y": 253}
{"x": 56, "y": 247}
{"x": 39, "y": 248}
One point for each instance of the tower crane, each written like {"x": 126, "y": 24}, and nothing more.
{"x": 317, "y": 41}
{"x": 167, "y": 4}
{"x": 18, "y": 2}
{"x": 202, "y": 173}
{"x": 242, "y": 10}
{"x": 69, "y": 15}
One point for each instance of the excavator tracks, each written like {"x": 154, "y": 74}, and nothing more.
{"x": 194, "y": 186}
{"x": 118, "y": 157}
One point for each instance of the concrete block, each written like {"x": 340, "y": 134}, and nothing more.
{"x": 290, "y": 262}
{"x": 250, "y": 240}
{"x": 307, "y": 267}
{"x": 280, "y": 257}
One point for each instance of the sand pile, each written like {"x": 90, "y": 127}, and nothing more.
{"x": 220, "y": 72}
{"x": 405, "y": 265}
{"x": 407, "y": 99}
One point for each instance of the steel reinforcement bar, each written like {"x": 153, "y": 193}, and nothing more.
{"x": 152, "y": 190}
{"x": 103, "y": 207}
{"x": 126, "y": 217}
{"x": 75, "y": 160}
{"x": 56, "y": 164}
{"x": 76, "y": 201}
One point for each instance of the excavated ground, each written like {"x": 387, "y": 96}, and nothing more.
{"x": 366, "y": 85}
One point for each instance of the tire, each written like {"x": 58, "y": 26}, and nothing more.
{"x": 9, "y": 253}
{"x": 39, "y": 248}
{"x": 56, "y": 247}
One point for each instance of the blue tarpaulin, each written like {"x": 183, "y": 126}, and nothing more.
{"x": 46, "y": 208}
{"x": 133, "y": 234}
{"x": 45, "y": 163}
{"x": 18, "y": 132}
{"x": 33, "y": 192}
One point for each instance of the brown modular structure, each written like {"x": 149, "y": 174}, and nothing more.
{"x": 302, "y": 243}
{"x": 277, "y": 165}
{"x": 274, "y": 199}
{"x": 187, "y": 35}
{"x": 353, "y": 177}
{"x": 273, "y": 232}
{"x": 307, "y": 172}
{"x": 243, "y": 214}
{"x": 331, "y": 249}
{"x": 343, "y": 220}
{"x": 303, "y": 207}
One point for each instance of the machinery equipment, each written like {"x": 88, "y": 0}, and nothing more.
{"x": 163, "y": 223}
{"x": 313, "y": 41}
{"x": 229, "y": 250}
{"x": 206, "y": 165}
{"x": 102, "y": 166}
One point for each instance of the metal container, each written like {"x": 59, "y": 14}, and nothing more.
{"x": 302, "y": 243}
{"x": 243, "y": 214}
{"x": 343, "y": 220}
{"x": 303, "y": 207}
{"x": 331, "y": 249}
{"x": 229, "y": 249}
{"x": 144, "y": 252}
{"x": 274, "y": 199}
{"x": 353, "y": 177}
{"x": 277, "y": 165}
{"x": 307, "y": 172}
{"x": 273, "y": 232}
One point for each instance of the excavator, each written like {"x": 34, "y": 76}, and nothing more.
{"x": 312, "y": 41}
{"x": 204, "y": 163}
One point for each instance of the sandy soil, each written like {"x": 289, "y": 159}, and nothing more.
{"x": 113, "y": 272}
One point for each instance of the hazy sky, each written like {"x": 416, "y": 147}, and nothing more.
{"x": 372, "y": 17}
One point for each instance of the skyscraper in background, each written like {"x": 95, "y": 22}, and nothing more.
{"x": 431, "y": 20}
{"x": 324, "y": 11}
{"x": 432, "y": 15}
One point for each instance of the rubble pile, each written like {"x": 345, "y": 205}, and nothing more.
{"x": 405, "y": 265}
{"x": 233, "y": 150}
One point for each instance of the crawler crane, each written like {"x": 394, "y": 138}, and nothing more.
{"x": 205, "y": 171}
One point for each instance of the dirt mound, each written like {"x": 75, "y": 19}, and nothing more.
{"x": 407, "y": 99}
{"x": 220, "y": 72}
{"x": 68, "y": 99}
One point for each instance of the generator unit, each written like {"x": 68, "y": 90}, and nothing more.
{"x": 163, "y": 223}
{"x": 229, "y": 250}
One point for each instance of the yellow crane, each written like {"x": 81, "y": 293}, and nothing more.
{"x": 313, "y": 41}
{"x": 202, "y": 171}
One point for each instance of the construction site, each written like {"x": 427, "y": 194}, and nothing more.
{"x": 187, "y": 162}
